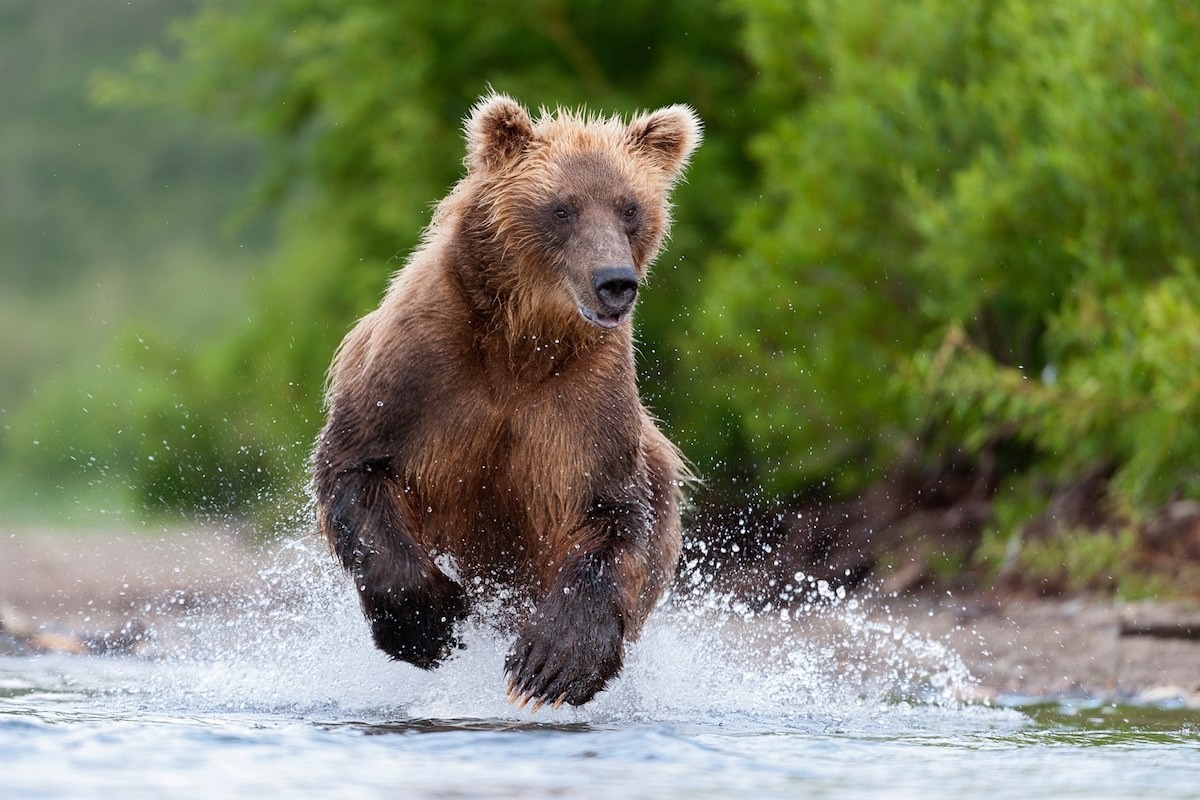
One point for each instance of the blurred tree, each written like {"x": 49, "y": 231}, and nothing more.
{"x": 99, "y": 211}
{"x": 108, "y": 221}
{"x": 72, "y": 174}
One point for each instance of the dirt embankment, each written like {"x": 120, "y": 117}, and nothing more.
{"x": 64, "y": 590}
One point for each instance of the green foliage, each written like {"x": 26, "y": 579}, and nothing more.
{"x": 149, "y": 427}
{"x": 360, "y": 101}
{"x": 922, "y": 226}
{"x": 1122, "y": 389}
{"x": 79, "y": 182}
{"x": 1080, "y": 560}
{"x": 800, "y": 331}
{"x": 1071, "y": 291}
{"x": 974, "y": 220}
{"x": 108, "y": 223}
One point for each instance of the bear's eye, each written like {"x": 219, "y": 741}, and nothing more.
{"x": 562, "y": 213}
{"x": 631, "y": 212}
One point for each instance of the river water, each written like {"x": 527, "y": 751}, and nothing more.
{"x": 282, "y": 695}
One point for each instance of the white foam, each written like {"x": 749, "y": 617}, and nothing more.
{"x": 296, "y": 644}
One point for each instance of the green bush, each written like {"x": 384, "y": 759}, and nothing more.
{"x": 144, "y": 430}
{"x": 1083, "y": 560}
{"x": 974, "y": 221}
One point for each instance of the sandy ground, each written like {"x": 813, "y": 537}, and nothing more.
{"x": 69, "y": 578}
{"x": 1072, "y": 648}
{"x": 1026, "y": 648}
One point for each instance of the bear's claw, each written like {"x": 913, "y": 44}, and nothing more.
{"x": 567, "y": 663}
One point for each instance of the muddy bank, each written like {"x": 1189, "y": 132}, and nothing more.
{"x": 72, "y": 577}
{"x": 1077, "y": 648}
{"x": 64, "y": 590}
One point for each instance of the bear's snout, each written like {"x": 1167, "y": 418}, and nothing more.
{"x": 616, "y": 288}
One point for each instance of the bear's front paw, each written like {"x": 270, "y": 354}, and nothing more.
{"x": 417, "y": 625}
{"x": 568, "y": 658}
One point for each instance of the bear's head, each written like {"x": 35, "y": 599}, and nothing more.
{"x": 564, "y": 215}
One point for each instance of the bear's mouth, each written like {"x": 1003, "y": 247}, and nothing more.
{"x": 606, "y": 321}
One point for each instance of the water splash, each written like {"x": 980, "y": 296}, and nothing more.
{"x": 295, "y": 643}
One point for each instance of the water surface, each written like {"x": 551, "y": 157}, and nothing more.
{"x": 282, "y": 694}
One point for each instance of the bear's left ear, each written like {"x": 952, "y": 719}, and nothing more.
{"x": 498, "y": 130}
{"x": 667, "y": 136}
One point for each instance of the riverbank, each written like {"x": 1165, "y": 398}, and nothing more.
{"x": 1073, "y": 648}
{"x": 97, "y": 590}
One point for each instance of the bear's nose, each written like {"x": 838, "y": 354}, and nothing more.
{"x": 616, "y": 287}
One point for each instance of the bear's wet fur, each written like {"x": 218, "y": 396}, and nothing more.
{"x": 488, "y": 410}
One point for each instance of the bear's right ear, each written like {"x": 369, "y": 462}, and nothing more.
{"x": 498, "y": 131}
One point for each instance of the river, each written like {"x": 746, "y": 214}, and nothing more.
{"x": 282, "y": 695}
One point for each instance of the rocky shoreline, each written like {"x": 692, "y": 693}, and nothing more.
{"x": 92, "y": 591}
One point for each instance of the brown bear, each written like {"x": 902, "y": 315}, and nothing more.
{"x": 486, "y": 419}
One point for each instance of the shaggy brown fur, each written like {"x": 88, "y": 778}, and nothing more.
{"x": 488, "y": 409}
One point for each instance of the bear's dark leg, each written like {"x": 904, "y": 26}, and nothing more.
{"x": 412, "y": 605}
{"x": 666, "y": 541}
{"x": 574, "y": 643}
